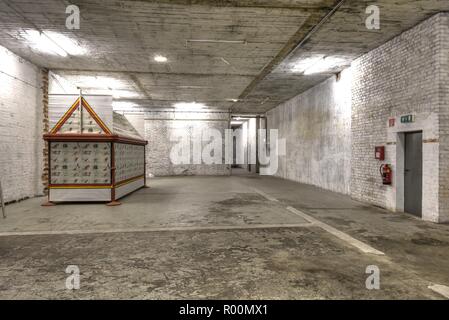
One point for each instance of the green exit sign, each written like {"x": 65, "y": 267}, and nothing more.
{"x": 407, "y": 119}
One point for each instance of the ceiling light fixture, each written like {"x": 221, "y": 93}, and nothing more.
{"x": 64, "y": 85}
{"x": 304, "y": 64}
{"x": 122, "y": 105}
{"x": 99, "y": 82}
{"x": 119, "y": 94}
{"x": 216, "y": 41}
{"x": 325, "y": 65}
{"x": 265, "y": 100}
{"x": 53, "y": 43}
{"x": 225, "y": 61}
{"x": 69, "y": 45}
{"x": 160, "y": 58}
{"x": 41, "y": 42}
{"x": 189, "y": 106}
{"x": 194, "y": 87}
{"x": 318, "y": 64}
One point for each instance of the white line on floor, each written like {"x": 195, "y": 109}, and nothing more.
{"x": 211, "y": 228}
{"x": 267, "y": 196}
{"x": 339, "y": 234}
{"x": 439, "y": 288}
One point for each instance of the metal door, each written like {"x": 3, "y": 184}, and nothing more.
{"x": 413, "y": 173}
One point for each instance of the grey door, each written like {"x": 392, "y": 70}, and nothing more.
{"x": 413, "y": 173}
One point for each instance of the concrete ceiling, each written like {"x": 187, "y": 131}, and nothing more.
{"x": 122, "y": 38}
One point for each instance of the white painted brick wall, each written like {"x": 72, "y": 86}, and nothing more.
{"x": 400, "y": 77}
{"x": 407, "y": 75}
{"x": 443, "y": 60}
{"x": 20, "y": 127}
{"x": 158, "y": 128}
{"x": 317, "y": 127}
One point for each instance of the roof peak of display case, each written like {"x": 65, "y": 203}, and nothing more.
{"x": 82, "y": 122}
{"x": 79, "y": 122}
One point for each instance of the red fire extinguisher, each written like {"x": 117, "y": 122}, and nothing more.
{"x": 386, "y": 173}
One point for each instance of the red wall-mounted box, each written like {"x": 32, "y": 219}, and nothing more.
{"x": 380, "y": 153}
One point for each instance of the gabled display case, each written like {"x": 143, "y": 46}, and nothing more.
{"x": 88, "y": 161}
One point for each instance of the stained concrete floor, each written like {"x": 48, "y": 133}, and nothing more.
{"x": 219, "y": 238}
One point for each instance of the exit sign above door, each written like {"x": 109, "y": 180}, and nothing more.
{"x": 408, "y": 119}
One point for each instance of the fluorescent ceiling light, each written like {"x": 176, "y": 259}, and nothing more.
{"x": 237, "y": 122}
{"x": 325, "y": 65}
{"x": 304, "y": 64}
{"x": 194, "y": 87}
{"x": 70, "y": 46}
{"x": 217, "y": 41}
{"x": 225, "y": 61}
{"x": 105, "y": 92}
{"x": 265, "y": 100}
{"x": 118, "y": 94}
{"x": 121, "y": 105}
{"x": 61, "y": 83}
{"x": 41, "y": 42}
{"x": 318, "y": 64}
{"x": 189, "y": 106}
{"x": 100, "y": 82}
{"x": 160, "y": 58}
{"x": 53, "y": 43}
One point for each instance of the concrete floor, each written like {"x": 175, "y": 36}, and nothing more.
{"x": 220, "y": 238}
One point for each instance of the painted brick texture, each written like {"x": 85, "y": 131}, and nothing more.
{"x": 400, "y": 77}
{"x": 332, "y": 130}
{"x": 317, "y": 127}
{"x": 161, "y": 126}
{"x": 443, "y": 60}
{"x": 20, "y": 127}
